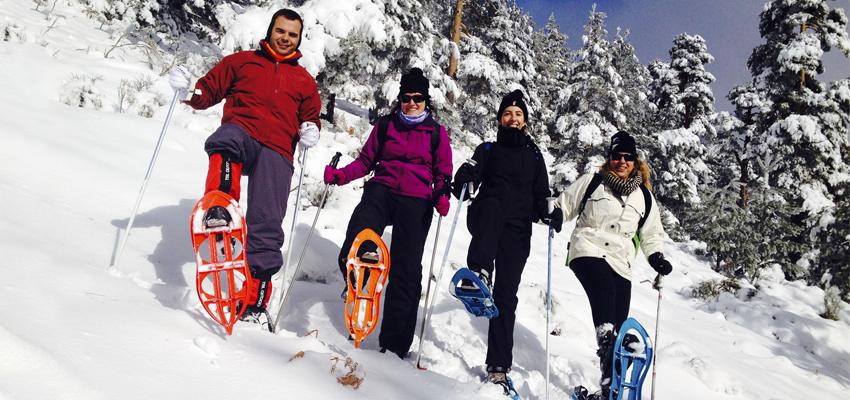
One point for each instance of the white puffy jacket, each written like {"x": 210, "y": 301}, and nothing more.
{"x": 608, "y": 223}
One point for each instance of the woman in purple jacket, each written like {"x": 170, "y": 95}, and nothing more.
{"x": 412, "y": 174}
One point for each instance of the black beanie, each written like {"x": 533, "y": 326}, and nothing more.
{"x": 622, "y": 142}
{"x": 514, "y": 98}
{"x": 290, "y": 15}
{"x": 414, "y": 81}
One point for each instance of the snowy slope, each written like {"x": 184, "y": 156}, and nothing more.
{"x": 72, "y": 328}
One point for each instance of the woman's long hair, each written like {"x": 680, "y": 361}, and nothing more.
{"x": 640, "y": 165}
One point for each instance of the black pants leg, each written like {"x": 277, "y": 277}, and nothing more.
{"x": 513, "y": 248}
{"x": 411, "y": 220}
{"x": 373, "y": 212}
{"x": 609, "y": 293}
{"x": 485, "y": 222}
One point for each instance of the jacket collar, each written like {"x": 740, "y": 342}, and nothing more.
{"x": 269, "y": 52}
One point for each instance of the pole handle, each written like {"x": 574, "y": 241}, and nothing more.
{"x": 335, "y": 159}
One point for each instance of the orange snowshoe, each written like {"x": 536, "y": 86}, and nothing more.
{"x": 367, "y": 274}
{"x": 222, "y": 277}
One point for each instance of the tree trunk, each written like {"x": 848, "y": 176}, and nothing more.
{"x": 453, "y": 62}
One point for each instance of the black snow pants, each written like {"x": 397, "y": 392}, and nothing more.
{"x": 609, "y": 295}
{"x": 411, "y": 219}
{"x": 499, "y": 245}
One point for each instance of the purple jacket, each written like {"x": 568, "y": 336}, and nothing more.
{"x": 406, "y": 165}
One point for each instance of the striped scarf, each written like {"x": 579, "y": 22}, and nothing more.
{"x": 622, "y": 187}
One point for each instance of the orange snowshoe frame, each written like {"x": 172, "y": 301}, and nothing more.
{"x": 363, "y": 301}
{"x": 222, "y": 276}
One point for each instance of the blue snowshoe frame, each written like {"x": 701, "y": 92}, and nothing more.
{"x": 478, "y": 302}
{"x": 510, "y": 390}
{"x": 623, "y": 380}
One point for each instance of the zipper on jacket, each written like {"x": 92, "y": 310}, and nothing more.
{"x": 277, "y": 78}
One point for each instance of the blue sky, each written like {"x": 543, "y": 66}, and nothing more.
{"x": 730, "y": 28}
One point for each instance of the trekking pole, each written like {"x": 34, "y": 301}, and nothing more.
{"x": 294, "y": 217}
{"x": 285, "y": 294}
{"x": 145, "y": 182}
{"x": 429, "y": 307}
{"x": 551, "y": 207}
{"x": 428, "y": 288}
{"x": 657, "y": 286}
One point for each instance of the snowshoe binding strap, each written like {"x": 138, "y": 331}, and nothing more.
{"x": 222, "y": 277}
{"x": 479, "y": 301}
{"x": 508, "y": 386}
{"x": 632, "y": 358}
{"x": 367, "y": 277}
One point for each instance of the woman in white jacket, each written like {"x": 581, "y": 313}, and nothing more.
{"x": 601, "y": 251}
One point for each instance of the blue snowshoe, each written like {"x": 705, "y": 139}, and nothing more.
{"x": 473, "y": 293}
{"x": 505, "y": 382}
{"x": 510, "y": 391}
{"x": 632, "y": 359}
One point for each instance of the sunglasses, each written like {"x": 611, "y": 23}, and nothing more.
{"x": 624, "y": 156}
{"x": 417, "y": 98}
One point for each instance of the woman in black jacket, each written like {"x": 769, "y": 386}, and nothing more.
{"x": 514, "y": 186}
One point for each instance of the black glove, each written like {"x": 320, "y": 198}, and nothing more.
{"x": 660, "y": 264}
{"x": 554, "y": 220}
{"x": 465, "y": 174}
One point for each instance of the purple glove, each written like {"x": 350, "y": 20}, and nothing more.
{"x": 442, "y": 205}
{"x": 334, "y": 176}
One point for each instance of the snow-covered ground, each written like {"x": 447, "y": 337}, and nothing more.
{"x": 73, "y": 328}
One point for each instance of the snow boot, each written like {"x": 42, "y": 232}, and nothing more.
{"x": 217, "y": 216}
{"x": 258, "y": 298}
{"x": 499, "y": 376}
{"x": 581, "y": 393}
{"x": 483, "y": 276}
{"x": 605, "y": 338}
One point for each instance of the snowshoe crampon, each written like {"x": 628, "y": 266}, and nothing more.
{"x": 508, "y": 387}
{"x": 222, "y": 276}
{"x": 632, "y": 358}
{"x": 478, "y": 301}
{"x": 367, "y": 273}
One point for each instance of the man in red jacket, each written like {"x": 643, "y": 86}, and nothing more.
{"x": 271, "y": 103}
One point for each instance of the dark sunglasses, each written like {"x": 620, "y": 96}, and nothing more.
{"x": 625, "y": 156}
{"x": 417, "y": 98}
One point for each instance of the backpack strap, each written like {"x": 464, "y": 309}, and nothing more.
{"x": 383, "y": 126}
{"x": 647, "y": 205}
{"x": 435, "y": 137}
{"x": 594, "y": 183}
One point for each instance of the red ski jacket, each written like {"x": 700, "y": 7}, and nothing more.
{"x": 265, "y": 95}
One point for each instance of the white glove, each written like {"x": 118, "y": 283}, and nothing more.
{"x": 309, "y": 133}
{"x": 179, "y": 78}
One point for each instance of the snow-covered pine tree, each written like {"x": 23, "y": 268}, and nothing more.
{"x": 496, "y": 58}
{"x": 367, "y": 67}
{"x": 799, "y": 151}
{"x": 637, "y": 109}
{"x": 687, "y": 103}
{"x": 592, "y": 109}
{"x": 834, "y": 241}
{"x": 663, "y": 87}
{"x": 552, "y": 59}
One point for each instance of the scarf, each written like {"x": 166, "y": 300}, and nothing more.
{"x": 277, "y": 57}
{"x": 410, "y": 121}
{"x": 622, "y": 187}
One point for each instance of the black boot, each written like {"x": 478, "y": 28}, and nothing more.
{"x": 217, "y": 216}
{"x": 605, "y": 338}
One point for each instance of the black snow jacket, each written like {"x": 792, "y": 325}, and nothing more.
{"x": 513, "y": 171}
